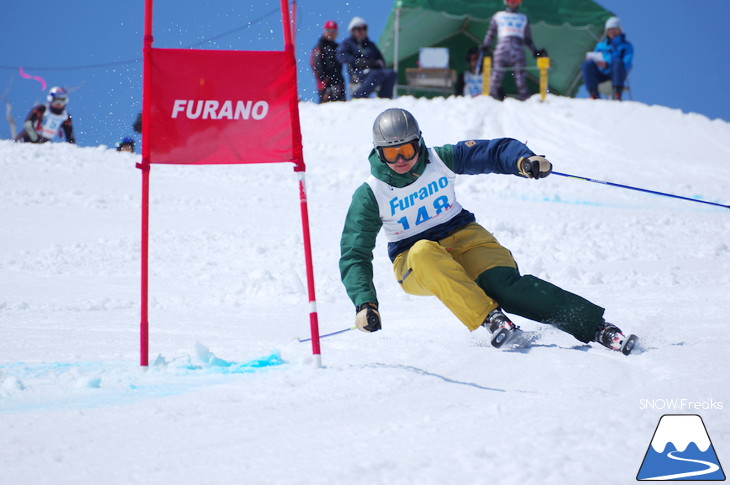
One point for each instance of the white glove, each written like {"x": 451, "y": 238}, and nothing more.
{"x": 367, "y": 318}
{"x": 534, "y": 167}
{"x": 30, "y": 131}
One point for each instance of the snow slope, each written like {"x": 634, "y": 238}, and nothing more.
{"x": 232, "y": 396}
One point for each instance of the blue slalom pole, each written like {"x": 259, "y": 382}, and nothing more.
{"x": 639, "y": 189}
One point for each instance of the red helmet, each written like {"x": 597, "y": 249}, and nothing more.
{"x": 330, "y": 25}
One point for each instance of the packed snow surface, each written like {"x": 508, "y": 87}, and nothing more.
{"x": 231, "y": 395}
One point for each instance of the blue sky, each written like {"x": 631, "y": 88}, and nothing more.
{"x": 93, "y": 47}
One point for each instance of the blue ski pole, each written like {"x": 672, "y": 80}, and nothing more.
{"x": 328, "y": 334}
{"x": 639, "y": 189}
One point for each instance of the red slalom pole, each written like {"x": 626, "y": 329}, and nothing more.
{"x": 145, "y": 167}
{"x": 313, "y": 319}
{"x": 300, "y": 168}
{"x": 144, "y": 287}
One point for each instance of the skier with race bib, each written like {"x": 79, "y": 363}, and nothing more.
{"x": 45, "y": 121}
{"x": 438, "y": 249}
{"x": 513, "y": 33}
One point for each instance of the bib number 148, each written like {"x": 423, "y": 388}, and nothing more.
{"x": 440, "y": 204}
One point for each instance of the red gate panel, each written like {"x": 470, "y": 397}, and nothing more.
{"x": 222, "y": 107}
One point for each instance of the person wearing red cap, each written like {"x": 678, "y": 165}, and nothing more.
{"x": 327, "y": 69}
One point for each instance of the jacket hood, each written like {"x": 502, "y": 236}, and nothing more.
{"x": 381, "y": 171}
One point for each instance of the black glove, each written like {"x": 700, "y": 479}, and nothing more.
{"x": 486, "y": 51}
{"x": 534, "y": 167}
{"x": 540, "y": 53}
{"x": 367, "y": 318}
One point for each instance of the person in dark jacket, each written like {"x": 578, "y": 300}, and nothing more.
{"x": 45, "y": 121}
{"x": 437, "y": 247}
{"x": 616, "y": 58}
{"x": 513, "y": 33}
{"x": 327, "y": 69}
{"x": 365, "y": 63}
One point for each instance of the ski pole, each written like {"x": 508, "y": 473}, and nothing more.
{"x": 639, "y": 189}
{"x": 327, "y": 334}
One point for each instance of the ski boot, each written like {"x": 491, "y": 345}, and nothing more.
{"x": 611, "y": 337}
{"x": 501, "y": 328}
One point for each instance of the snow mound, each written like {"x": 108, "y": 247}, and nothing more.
{"x": 422, "y": 401}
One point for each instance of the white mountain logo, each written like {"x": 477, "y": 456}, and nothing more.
{"x": 681, "y": 450}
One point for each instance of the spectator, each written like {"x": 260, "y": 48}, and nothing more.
{"x": 365, "y": 63}
{"x": 470, "y": 82}
{"x": 438, "y": 249}
{"x": 513, "y": 33}
{"x": 45, "y": 121}
{"x": 137, "y": 125}
{"x": 617, "y": 54}
{"x": 327, "y": 69}
{"x": 126, "y": 144}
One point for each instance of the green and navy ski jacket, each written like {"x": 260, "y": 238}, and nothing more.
{"x": 363, "y": 222}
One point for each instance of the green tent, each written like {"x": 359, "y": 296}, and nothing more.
{"x": 566, "y": 28}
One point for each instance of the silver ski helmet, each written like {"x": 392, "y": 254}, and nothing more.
{"x": 395, "y": 126}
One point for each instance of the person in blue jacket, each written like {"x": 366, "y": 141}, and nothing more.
{"x": 436, "y": 245}
{"x": 618, "y": 56}
{"x": 365, "y": 63}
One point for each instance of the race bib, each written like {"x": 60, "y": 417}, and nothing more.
{"x": 511, "y": 24}
{"x": 51, "y": 123}
{"x": 416, "y": 208}
{"x": 473, "y": 84}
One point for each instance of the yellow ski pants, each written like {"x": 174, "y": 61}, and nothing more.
{"x": 447, "y": 269}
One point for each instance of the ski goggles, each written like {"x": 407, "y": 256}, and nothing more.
{"x": 391, "y": 154}
{"x": 59, "y": 101}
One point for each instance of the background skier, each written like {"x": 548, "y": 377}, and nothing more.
{"x": 512, "y": 30}
{"x": 126, "y": 144}
{"x": 45, "y": 121}
{"x": 436, "y": 246}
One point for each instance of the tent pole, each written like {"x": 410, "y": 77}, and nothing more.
{"x": 396, "y": 45}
